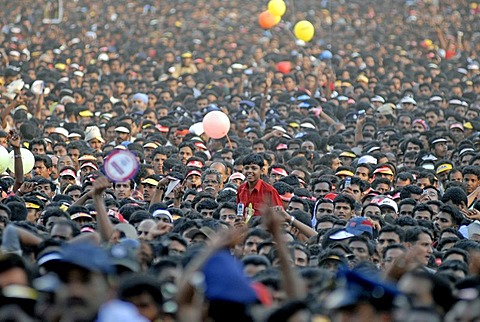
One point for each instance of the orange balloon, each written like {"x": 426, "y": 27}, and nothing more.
{"x": 266, "y": 20}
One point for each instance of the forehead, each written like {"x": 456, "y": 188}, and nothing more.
{"x": 372, "y": 208}
{"x": 325, "y": 205}
{"x": 358, "y": 243}
{"x": 389, "y": 234}
{"x": 394, "y": 252}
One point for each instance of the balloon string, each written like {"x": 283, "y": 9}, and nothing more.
{"x": 229, "y": 142}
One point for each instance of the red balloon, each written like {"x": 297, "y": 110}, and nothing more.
{"x": 266, "y": 20}
{"x": 284, "y": 67}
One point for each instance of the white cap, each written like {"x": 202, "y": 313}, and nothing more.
{"x": 103, "y": 57}
{"x": 197, "y": 129}
{"x": 61, "y": 131}
{"x": 408, "y": 99}
{"x": 340, "y": 235}
{"x": 367, "y": 159}
{"x": 378, "y": 98}
{"x": 389, "y": 202}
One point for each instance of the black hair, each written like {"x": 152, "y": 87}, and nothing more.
{"x": 413, "y": 234}
{"x": 456, "y": 195}
{"x": 254, "y": 159}
{"x": 393, "y": 229}
{"x": 454, "y": 213}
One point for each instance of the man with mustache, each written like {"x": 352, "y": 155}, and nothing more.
{"x": 212, "y": 182}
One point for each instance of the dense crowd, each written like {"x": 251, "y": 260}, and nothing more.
{"x": 346, "y": 188}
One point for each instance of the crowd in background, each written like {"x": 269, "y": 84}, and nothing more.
{"x": 345, "y": 189}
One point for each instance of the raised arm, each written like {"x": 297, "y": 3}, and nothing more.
{"x": 105, "y": 226}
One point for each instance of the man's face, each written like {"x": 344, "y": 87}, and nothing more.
{"x": 59, "y": 151}
{"x": 157, "y": 162}
{"x": 289, "y": 84}
{"x": 440, "y": 149}
{"x": 39, "y": 169}
{"x": 121, "y": 137}
{"x": 471, "y": 182}
{"x": 74, "y": 154}
{"x": 148, "y": 191}
{"x": 46, "y": 189}
{"x": 258, "y": 148}
{"x": 184, "y": 154}
{"x": 406, "y": 210}
{"x": 443, "y": 220}
{"x": 360, "y": 250}
{"x": 390, "y": 257}
{"x": 80, "y": 294}
{"x": 409, "y": 163}
{"x": 356, "y": 193}
{"x": 386, "y": 239}
{"x": 301, "y": 258}
{"x": 61, "y": 232}
{"x": 207, "y": 213}
{"x": 422, "y": 215}
{"x": 362, "y": 173}
{"x": 423, "y": 182}
{"x": 227, "y": 157}
{"x": 292, "y": 206}
{"x": 95, "y": 144}
{"x": 211, "y": 184}
{"x": 38, "y": 149}
{"x": 75, "y": 194}
{"x": 343, "y": 210}
{"x": 383, "y": 188}
{"x": 220, "y": 168}
{"x": 321, "y": 189}
{"x": 325, "y": 208}
{"x": 123, "y": 190}
{"x": 251, "y": 244}
{"x": 412, "y": 147}
{"x": 372, "y": 211}
{"x": 252, "y": 173}
{"x": 275, "y": 177}
{"x": 139, "y": 105}
{"x": 202, "y": 103}
{"x": 404, "y": 122}
{"x": 66, "y": 180}
{"x": 424, "y": 246}
{"x": 194, "y": 180}
{"x": 228, "y": 216}
{"x": 336, "y": 163}
{"x": 32, "y": 215}
{"x": 432, "y": 119}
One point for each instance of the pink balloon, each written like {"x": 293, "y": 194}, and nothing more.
{"x": 216, "y": 124}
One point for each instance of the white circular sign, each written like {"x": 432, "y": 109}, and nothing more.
{"x": 121, "y": 165}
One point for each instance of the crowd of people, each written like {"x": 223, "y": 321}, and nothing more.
{"x": 346, "y": 188}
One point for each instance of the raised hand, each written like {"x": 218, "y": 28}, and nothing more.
{"x": 100, "y": 185}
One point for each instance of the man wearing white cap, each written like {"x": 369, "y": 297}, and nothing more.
{"x": 94, "y": 138}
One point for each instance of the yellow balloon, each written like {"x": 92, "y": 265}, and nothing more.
{"x": 277, "y": 7}
{"x": 277, "y": 19}
{"x": 304, "y": 30}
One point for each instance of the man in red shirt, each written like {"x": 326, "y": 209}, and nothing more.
{"x": 255, "y": 192}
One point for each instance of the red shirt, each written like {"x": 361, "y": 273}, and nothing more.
{"x": 261, "y": 193}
